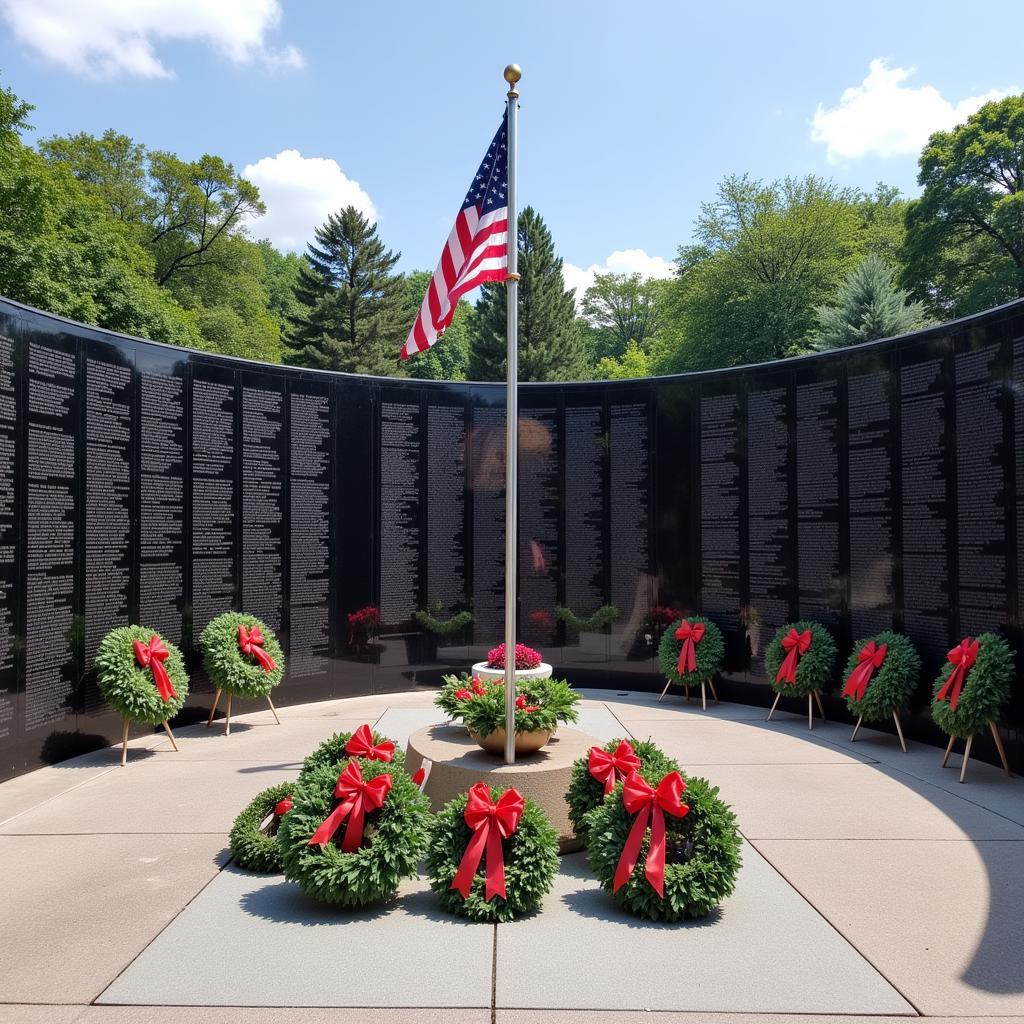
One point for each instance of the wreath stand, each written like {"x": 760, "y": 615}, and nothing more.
{"x": 227, "y": 720}
{"x": 703, "y": 692}
{"x": 967, "y": 751}
{"x": 124, "y": 739}
{"x": 812, "y": 698}
{"x": 899, "y": 729}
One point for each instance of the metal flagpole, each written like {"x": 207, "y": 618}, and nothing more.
{"x": 512, "y": 75}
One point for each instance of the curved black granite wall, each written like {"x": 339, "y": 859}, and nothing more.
{"x": 873, "y": 487}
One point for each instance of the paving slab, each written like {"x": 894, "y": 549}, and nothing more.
{"x": 400, "y": 723}
{"x": 27, "y": 791}
{"x": 262, "y": 740}
{"x": 709, "y": 741}
{"x": 849, "y": 801}
{"x": 161, "y": 795}
{"x": 647, "y": 707}
{"x": 942, "y": 919}
{"x": 728, "y": 962}
{"x": 273, "y": 1015}
{"x": 298, "y": 952}
{"x": 655, "y": 1017}
{"x": 26, "y": 1013}
{"x": 83, "y": 906}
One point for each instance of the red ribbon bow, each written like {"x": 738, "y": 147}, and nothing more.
{"x": 152, "y": 656}
{"x": 649, "y": 805}
{"x": 796, "y": 645}
{"x": 691, "y": 635}
{"x": 963, "y": 657}
{"x": 490, "y": 822}
{"x": 250, "y": 641}
{"x": 282, "y": 807}
{"x": 523, "y": 706}
{"x": 357, "y": 797}
{"x": 609, "y": 768}
{"x": 870, "y": 658}
{"x": 361, "y": 745}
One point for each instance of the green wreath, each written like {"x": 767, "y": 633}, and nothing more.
{"x": 331, "y": 753}
{"x": 702, "y": 854}
{"x": 530, "y": 855}
{"x": 252, "y": 849}
{"x": 985, "y": 690}
{"x": 604, "y": 615}
{"x": 585, "y": 792}
{"x": 443, "y": 627}
{"x": 393, "y": 838}
{"x": 814, "y": 667}
{"x": 231, "y": 670}
{"x": 893, "y": 684}
{"x": 130, "y": 688}
{"x": 708, "y": 653}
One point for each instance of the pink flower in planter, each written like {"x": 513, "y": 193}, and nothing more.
{"x": 526, "y": 657}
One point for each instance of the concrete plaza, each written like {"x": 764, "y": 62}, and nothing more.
{"x": 874, "y": 887}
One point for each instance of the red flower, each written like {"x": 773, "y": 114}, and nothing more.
{"x": 541, "y": 619}
{"x": 523, "y": 706}
{"x": 463, "y": 695}
{"x": 526, "y": 657}
{"x": 364, "y": 617}
{"x": 478, "y": 687}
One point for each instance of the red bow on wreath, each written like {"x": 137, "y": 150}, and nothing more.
{"x": 282, "y": 807}
{"x": 691, "y": 635}
{"x": 649, "y": 805}
{"x": 609, "y": 768}
{"x": 361, "y": 745}
{"x": 490, "y": 822}
{"x": 870, "y": 658}
{"x": 795, "y": 645}
{"x": 250, "y": 641}
{"x": 357, "y": 797}
{"x": 963, "y": 657}
{"x": 152, "y": 656}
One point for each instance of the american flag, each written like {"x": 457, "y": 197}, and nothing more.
{"x": 476, "y": 250}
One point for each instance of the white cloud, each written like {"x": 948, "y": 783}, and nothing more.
{"x": 622, "y": 261}
{"x": 300, "y": 192}
{"x": 885, "y": 117}
{"x": 105, "y": 38}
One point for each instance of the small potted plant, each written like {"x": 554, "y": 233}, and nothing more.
{"x": 528, "y": 665}
{"x": 484, "y": 717}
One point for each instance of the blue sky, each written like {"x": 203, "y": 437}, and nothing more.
{"x": 631, "y": 113}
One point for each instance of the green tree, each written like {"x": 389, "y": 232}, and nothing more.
{"x": 869, "y": 306}
{"x": 620, "y": 308}
{"x": 767, "y": 256}
{"x": 550, "y": 335}
{"x": 964, "y": 248}
{"x": 280, "y": 279}
{"x": 882, "y": 216}
{"x": 634, "y": 362}
{"x": 13, "y": 118}
{"x": 352, "y": 303}
{"x": 448, "y": 358}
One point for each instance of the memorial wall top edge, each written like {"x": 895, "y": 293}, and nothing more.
{"x": 42, "y": 320}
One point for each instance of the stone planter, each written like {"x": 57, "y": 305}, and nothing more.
{"x": 523, "y": 675}
{"x": 526, "y": 742}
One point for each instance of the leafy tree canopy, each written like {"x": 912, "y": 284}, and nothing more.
{"x": 448, "y": 359}
{"x": 620, "y": 308}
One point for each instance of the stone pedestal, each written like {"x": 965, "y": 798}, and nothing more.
{"x": 458, "y": 763}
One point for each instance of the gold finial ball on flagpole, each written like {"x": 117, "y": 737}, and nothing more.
{"x": 513, "y": 72}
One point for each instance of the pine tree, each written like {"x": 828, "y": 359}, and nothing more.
{"x": 868, "y": 306}
{"x": 550, "y": 336}
{"x": 351, "y": 303}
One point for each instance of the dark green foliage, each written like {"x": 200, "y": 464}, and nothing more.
{"x": 985, "y": 691}
{"x": 557, "y": 695}
{"x": 394, "y": 838}
{"x": 128, "y": 687}
{"x": 604, "y": 615}
{"x": 252, "y": 849}
{"x": 891, "y": 686}
{"x": 697, "y": 879}
{"x": 448, "y": 359}
{"x": 530, "y": 855}
{"x": 868, "y": 306}
{"x": 585, "y": 792}
{"x": 353, "y": 305}
{"x": 231, "y": 670}
{"x": 331, "y": 754}
{"x": 485, "y": 713}
{"x": 709, "y": 653}
{"x": 814, "y": 669}
{"x": 550, "y": 336}
{"x": 443, "y": 627}
{"x": 964, "y": 247}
